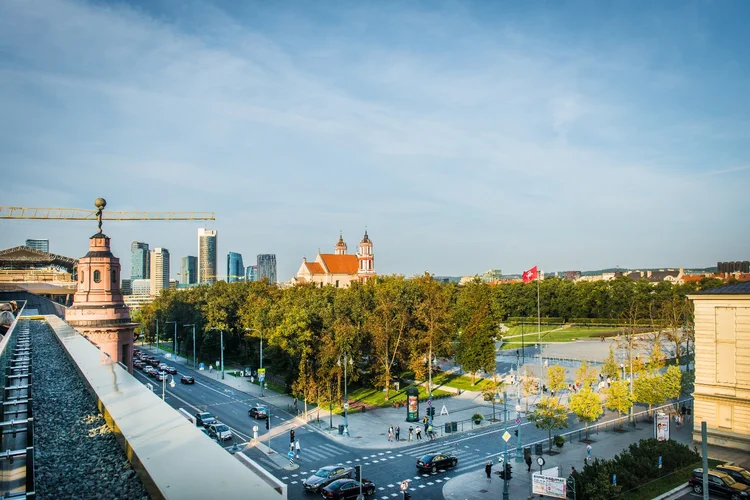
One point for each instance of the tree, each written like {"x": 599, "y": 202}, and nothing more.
{"x": 585, "y": 375}
{"x": 549, "y": 415}
{"x": 649, "y": 389}
{"x": 587, "y": 406}
{"x": 618, "y": 398}
{"x": 556, "y": 379}
{"x": 433, "y": 316}
{"x": 476, "y": 341}
{"x": 529, "y": 385}
{"x": 672, "y": 382}
{"x": 657, "y": 357}
{"x": 610, "y": 368}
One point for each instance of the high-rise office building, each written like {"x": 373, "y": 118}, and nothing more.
{"x": 140, "y": 265}
{"x": 126, "y": 286}
{"x": 235, "y": 267}
{"x": 159, "y": 270}
{"x": 37, "y": 244}
{"x": 140, "y": 287}
{"x": 207, "y": 264}
{"x": 189, "y": 270}
{"x": 251, "y": 273}
{"x": 267, "y": 267}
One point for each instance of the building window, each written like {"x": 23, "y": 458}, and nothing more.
{"x": 337, "y": 283}
{"x": 113, "y": 278}
{"x": 81, "y": 276}
{"x": 97, "y": 276}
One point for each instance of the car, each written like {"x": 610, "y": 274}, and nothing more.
{"x": 719, "y": 483}
{"x": 342, "y": 489}
{"x": 153, "y": 373}
{"x": 219, "y": 431}
{"x": 148, "y": 369}
{"x": 432, "y": 462}
{"x": 737, "y": 473}
{"x": 325, "y": 476}
{"x": 204, "y": 419}
{"x": 257, "y": 412}
{"x": 162, "y": 367}
{"x": 161, "y": 376}
{"x": 137, "y": 364}
{"x": 153, "y": 362}
{"x": 171, "y": 370}
{"x": 187, "y": 379}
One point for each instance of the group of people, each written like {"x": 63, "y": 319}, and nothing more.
{"x": 394, "y": 433}
{"x": 7, "y": 316}
{"x": 294, "y": 448}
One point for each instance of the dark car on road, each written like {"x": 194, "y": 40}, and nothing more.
{"x": 171, "y": 370}
{"x": 257, "y": 412}
{"x": 737, "y": 473}
{"x": 719, "y": 484}
{"x": 326, "y": 475}
{"x": 153, "y": 373}
{"x": 187, "y": 379}
{"x": 204, "y": 419}
{"x": 342, "y": 489}
{"x": 432, "y": 462}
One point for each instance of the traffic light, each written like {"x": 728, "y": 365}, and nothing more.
{"x": 508, "y": 471}
{"x": 358, "y": 472}
{"x": 291, "y": 436}
{"x": 515, "y": 431}
{"x": 431, "y": 411}
{"x": 267, "y": 424}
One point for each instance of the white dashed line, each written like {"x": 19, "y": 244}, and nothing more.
{"x": 348, "y": 461}
{"x": 399, "y": 455}
{"x": 295, "y": 475}
{"x": 381, "y": 488}
{"x": 422, "y": 486}
{"x": 391, "y": 485}
{"x": 294, "y": 482}
{"x": 430, "y": 483}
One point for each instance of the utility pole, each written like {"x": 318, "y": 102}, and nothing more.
{"x": 157, "y": 334}
{"x": 193, "y": 325}
{"x": 221, "y": 334}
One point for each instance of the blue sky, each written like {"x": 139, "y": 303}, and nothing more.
{"x": 464, "y": 135}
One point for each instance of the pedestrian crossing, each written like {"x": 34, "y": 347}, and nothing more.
{"x": 322, "y": 451}
{"x": 469, "y": 457}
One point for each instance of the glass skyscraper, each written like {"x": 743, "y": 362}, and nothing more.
{"x": 235, "y": 267}
{"x": 267, "y": 267}
{"x": 140, "y": 261}
{"x": 251, "y": 274}
{"x": 159, "y": 270}
{"x": 189, "y": 270}
{"x": 37, "y": 244}
{"x": 207, "y": 263}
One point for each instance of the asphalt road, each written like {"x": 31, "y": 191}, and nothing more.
{"x": 386, "y": 468}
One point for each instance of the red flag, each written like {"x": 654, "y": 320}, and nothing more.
{"x": 530, "y": 275}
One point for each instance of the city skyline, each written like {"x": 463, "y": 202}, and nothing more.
{"x": 576, "y": 136}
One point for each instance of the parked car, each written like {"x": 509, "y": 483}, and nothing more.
{"x": 719, "y": 484}
{"x": 204, "y": 419}
{"x": 257, "y": 412}
{"x": 737, "y": 473}
{"x": 219, "y": 431}
{"x": 434, "y": 461}
{"x": 187, "y": 379}
{"x": 171, "y": 370}
{"x": 325, "y": 476}
{"x": 342, "y": 489}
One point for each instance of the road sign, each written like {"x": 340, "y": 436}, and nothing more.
{"x": 217, "y": 364}
{"x": 500, "y": 459}
{"x": 518, "y": 421}
{"x": 660, "y": 461}
{"x": 614, "y": 479}
{"x": 506, "y": 436}
{"x": 518, "y": 408}
{"x": 429, "y": 402}
{"x": 346, "y": 406}
{"x": 262, "y": 377}
{"x": 201, "y": 366}
{"x": 404, "y": 485}
{"x": 261, "y": 371}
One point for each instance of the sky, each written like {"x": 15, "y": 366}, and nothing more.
{"x": 464, "y": 136}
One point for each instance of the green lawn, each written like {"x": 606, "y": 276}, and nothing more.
{"x": 663, "y": 485}
{"x": 462, "y": 382}
{"x": 576, "y": 332}
{"x": 376, "y": 397}
{"x": 528, "y": 330}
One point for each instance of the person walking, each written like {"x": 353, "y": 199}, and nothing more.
{"x": 398, "y": 433}
{"x": 588, "y": 453}
{"x": 528, "y": 462}
{"x": 411, "y": 432}
{"x": 419, "y": 433}
{"x": 488, "y": 471}
{"x": 430, "y": 432}
{"x": 296, "y": 448}
{"x": 390, "y": 433}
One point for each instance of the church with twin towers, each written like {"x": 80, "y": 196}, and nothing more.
{"x": 339, "y": 268}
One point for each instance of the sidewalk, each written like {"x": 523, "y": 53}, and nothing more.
{"x": 474, "y": 485}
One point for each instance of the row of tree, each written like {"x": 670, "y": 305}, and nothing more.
{"x": 388, "y": 325}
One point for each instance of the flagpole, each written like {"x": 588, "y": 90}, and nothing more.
{"x": 539, "y": 333}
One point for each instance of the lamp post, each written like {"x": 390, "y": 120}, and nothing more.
{"x": 429, "y": 385}
{"x": 221, "y": 333}
{"x": 347, "y": 361}
{"x": 261, "y": 382}
{"x": 164, "y": 384}
{"x": 193, "y": 325}
{"x": 157, "y": 334}
{"x": 505, "y": 459}
{"x": 519, "y": 457}
{"x": 175, "y": 338}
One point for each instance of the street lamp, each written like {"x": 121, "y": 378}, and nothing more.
{"x": 164, "y": 383}
{"x": 193, "y": 325}
{"x": 429, "y": 386}
{"x": 519, "y": 458}
{"x": 347, "y": 361}
{"x": 157, "y": 334}
{"x": 175, "y": 338}
{"x": 261, "y": 357}
{"x": 221, "y": 333}
{"x": 505, "y": 458}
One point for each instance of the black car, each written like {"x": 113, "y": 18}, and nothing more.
{"x": 737, "y": 473}
{"x": 342, "y": 489}
{"x": 204, "y": 419}
{"x": 326, "y": 475}
{"x": 171, "y": 370}
{"x": 257, "y": 412}
{"x": 187, "y": 379}
{"x": 719, "y": 484}
{"x": 434, "y": 461}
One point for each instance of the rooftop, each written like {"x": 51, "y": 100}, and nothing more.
{"x": 736, "y": 289}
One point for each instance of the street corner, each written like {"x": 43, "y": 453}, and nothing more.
{"x": 467, "y": 486}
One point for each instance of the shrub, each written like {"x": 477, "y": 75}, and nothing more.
{"x": 559, "y": 440}
{"x": 477, "y": 417}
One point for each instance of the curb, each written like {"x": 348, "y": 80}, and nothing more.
{"x": 685, "y": 488}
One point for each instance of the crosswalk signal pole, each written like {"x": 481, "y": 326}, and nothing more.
{"x": 505, "y": 460}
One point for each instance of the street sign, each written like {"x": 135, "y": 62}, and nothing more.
{"x": 500, "y": 459}
{"x": 429, "y": 402}
{"x": 518, "y": 421}
{"x": 614, "y": 479}
{"x": 660, "y": 461}
{"x": 404, "y": 485}
{"x": 261, "y": 371}
{"x": 549, "y": 486}
{"x": 262, "y": 377}
{"x": 346, "y": 406}
{"x": 201, "y": 366}
{"x": 506, "y": 436}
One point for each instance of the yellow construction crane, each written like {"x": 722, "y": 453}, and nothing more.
{"x": 98, "y": 215}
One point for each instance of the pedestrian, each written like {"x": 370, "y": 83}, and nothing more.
{"x": 574, "y": 472}
{"x": 398, "y": 433}
{"x": 411, "y": 432}
{"x": 296, "y": 448}
{"x": 528, "y": 462}
{"x": 488, "y": 471}
{"x": 419, "y": 433}
{"x": 390, "y": 433}
{"x": 430, "y": 433}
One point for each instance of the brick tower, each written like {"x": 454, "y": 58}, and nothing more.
{"x": 98, "y": 311}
